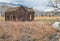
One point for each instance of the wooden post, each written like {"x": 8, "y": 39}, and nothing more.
{"x": 32, "y": 16}
{"x": 5, "y": 17}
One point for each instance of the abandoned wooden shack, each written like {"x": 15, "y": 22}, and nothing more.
{"x": 19, "y": 14}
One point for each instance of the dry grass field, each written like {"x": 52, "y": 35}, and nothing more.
{"x": 38, "y": 30}
{"x": 39, "y": 17}
{"x": 27, "y": 31}
{"x": 48, "y": 20}
{"x": 2, "y": 18}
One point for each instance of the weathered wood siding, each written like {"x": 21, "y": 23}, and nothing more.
{"x": 19, "y": 15}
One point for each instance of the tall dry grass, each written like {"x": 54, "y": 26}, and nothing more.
{"x": 27, "y": 31}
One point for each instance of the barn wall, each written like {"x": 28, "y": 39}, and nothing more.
{"x": 19, "y": 15}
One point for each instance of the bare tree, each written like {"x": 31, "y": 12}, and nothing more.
{"x": 55, "y": 4}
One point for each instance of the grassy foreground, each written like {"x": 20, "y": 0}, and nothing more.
{"x": 38, "y": 30}
{"x": 27, "y": 31}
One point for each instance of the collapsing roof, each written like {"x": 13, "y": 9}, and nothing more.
{"x": 16, "y": 8}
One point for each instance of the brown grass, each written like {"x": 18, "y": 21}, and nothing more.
{"x": 38, "y": 18}
{"x": 44, "y": 17}
{"x": 2, "y": 18}
{"x": 26, "y": 31}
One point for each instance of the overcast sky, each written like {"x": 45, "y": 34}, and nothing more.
{"x": 36, "y": 4}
